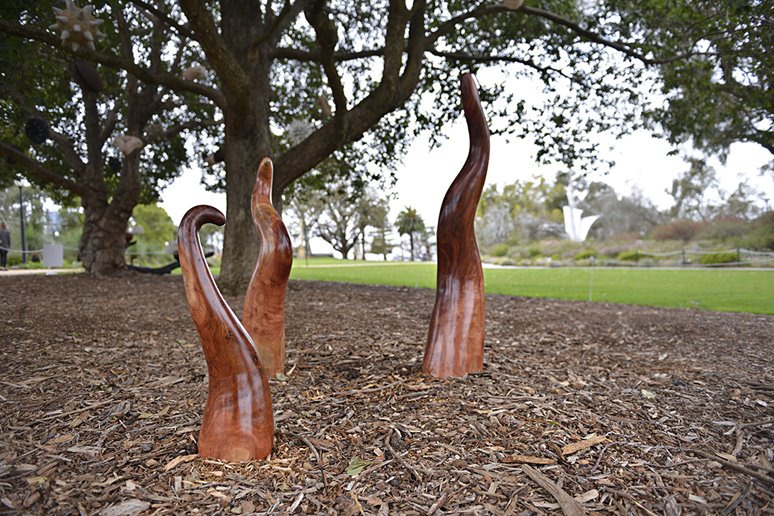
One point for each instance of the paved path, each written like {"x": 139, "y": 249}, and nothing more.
{"x": 27, "y": 272}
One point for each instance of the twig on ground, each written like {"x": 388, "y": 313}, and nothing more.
{"x": 399, "y": 458}
{"x": 570, "y": 506}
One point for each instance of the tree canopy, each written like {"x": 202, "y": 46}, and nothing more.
{"x": 299, "y": 80}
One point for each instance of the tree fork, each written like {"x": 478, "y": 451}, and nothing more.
{"x": 264, "y": 309}
{"x": 455, "y": 342}
{"x": 238, "y": 423}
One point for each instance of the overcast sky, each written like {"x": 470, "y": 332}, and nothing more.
{"x": 641, "y": 162}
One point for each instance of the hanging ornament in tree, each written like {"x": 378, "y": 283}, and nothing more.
{"x": 77, "y": 27}
{"x": 36, "y": 130}
{"x": 215, "y": 157}
{"x": 325, "y": 107}
{"x": 154, "y": 132}
{"x": 512, "y": 4}
{"x": 194, "y": 73}
{"x": 127, "y": 144}
{"x": 86, "y": 76}
{"x": 114, "y": 164}
{"x": 298, "y": 130}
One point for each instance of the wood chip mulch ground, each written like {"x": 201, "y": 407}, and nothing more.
{"x": 595, "y": 408}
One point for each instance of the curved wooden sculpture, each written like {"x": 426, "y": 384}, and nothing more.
{"x": 455, "y": 343}
{"x": 238, "y": 423}
{"x": 264, "y": 310}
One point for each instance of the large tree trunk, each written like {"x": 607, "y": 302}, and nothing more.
{"x": 247, "y": 142}
{"x": 103, "y": 240}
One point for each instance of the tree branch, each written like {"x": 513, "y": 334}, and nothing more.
{"x": 178, "y": 128}
{"x": 234, "y": 78}
{"x": 167, "y": 79}
{"x": 67, "y": 149}
{"x": 111, "y": 119}
{"x": 279, "y": 23}
{"x": 314, "y": 55}
{"x": 182, "y": 30}
{"x": 327, "y": 39}
{"x": 38, "y": 172}
{"x": 625, "y": 48}
{"x": 464, "y": 57}
{"x": 391, "y": 93}
{"x": 449, "y": 25}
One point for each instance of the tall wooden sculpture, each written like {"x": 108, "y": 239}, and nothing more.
{"x": 264, "y": 310}
{"x": 238, "y": 422}
{"x": 455, "y": 343}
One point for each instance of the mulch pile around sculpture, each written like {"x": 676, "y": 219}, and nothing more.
{"x": 581, "y": 407}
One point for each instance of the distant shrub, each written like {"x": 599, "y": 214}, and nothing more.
{"x": 717, "y": 258}
{"x": 629, "y": 256}
{"x": 502, "y": 261}
{"x": 761, "y": 236}
{"x": 684, "y": 230}
{"x": 534, "y": 251}
{"x": 585, "y": 254}
{"x": 499, "y": 250}
{"x": 723, "y": 228}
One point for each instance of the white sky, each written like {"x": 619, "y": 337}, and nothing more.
{"x": 641, "y": 162}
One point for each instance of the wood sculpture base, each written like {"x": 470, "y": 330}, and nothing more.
{"x": 455, "y": 342}
{"x": 264, "y": 309}
{"x": 238, "y": 423}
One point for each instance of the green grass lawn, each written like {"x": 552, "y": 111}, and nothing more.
{"x": 734, "y": 290}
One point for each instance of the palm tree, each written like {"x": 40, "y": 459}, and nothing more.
{"x": 410, "y": 222}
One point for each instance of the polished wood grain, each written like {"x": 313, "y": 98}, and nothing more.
{"x": 264, "y": 309}
{"x": 238, "y": 423}
{"x": 455, "y": 342}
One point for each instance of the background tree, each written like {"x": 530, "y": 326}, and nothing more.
{"x": 371, "y": 64}
{"x": 690, "y": 191}
{"x": 158, "y": 231}
{"x": 338, "y": 227}
{"x": 624, "y": 215}
{"x": 381, "y": 242}
{"x": 83, "y": 119}
{"x": 410, "y": 223}
{"x": 723, "y": 93}
{"x": 35, "y": 218}
{"x": 372, "y": 211}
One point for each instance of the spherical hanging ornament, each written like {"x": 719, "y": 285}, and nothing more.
{"x": 36, "y": 130}
{"x": 77, "y": 27}
{"x": 194, "y": 73}
{"x": 114, "y": 164}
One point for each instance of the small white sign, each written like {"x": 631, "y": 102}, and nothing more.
{"x": 53, "y": 255}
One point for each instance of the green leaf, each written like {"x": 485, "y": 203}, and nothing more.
{"x": 357, "y": 465}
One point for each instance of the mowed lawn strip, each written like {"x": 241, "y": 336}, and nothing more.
{"x": 736, "y": 290}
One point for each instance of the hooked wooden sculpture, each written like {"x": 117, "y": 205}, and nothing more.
{"x": 264, "y": 310}
{"x": 238, "y": 423}
{"x": 455, "y": 342}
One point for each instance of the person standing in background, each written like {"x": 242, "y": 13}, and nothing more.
{"x": 5, "y": 245}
